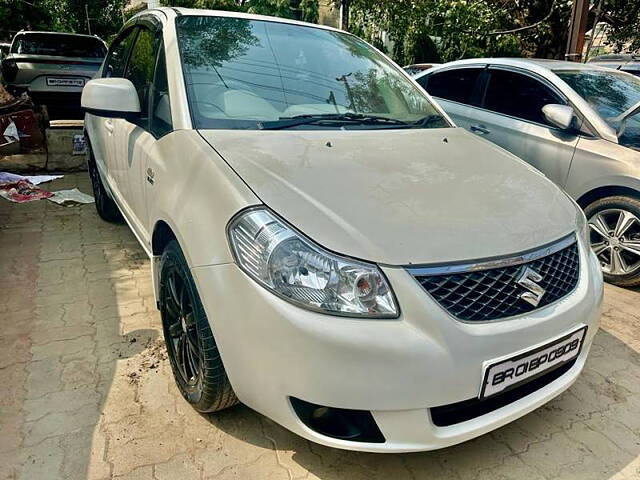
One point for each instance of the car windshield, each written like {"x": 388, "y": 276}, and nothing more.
{"x": 59, "y": 45}
{"x": 610, "y": 94}
{"x": 253, "y": 74}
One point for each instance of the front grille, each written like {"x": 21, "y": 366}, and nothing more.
{"x": 493, "y": 293}
{"x": 447, "y": 415}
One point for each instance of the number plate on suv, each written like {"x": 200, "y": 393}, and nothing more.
{"x": 65, "y": 82}
{"x": 506, "y": 374}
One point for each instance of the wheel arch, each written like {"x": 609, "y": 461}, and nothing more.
{"x": 606, "y": 191}
{"x": 162, "y": 235}
{"x": 160, "y": 238}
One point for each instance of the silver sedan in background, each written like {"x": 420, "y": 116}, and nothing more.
{"x": 576, "y": 123}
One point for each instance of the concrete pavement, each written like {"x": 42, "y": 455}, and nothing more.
{"x": 87, "y": 392}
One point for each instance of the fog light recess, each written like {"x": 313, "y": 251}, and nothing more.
{"x": 340, "y": 423}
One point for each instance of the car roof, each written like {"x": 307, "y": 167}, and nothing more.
{"x": 247, "y": 16}
{"x": 530, "y": 63}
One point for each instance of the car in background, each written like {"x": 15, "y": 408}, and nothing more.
{"x": 321, "y": 247}
{"x": 577, "y": 123}
{"x": 416, "y": 68}
{"x": 625, "y": 62}
{"x": 53, "y": 68}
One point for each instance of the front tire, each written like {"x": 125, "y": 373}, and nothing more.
{"x": 614, "y": 230}
{"x": 193, "y": 353}
{"x": 105, "y": 206}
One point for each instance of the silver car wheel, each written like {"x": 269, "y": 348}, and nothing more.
{"x": 615, "y": 239}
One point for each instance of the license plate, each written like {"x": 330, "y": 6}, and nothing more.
{"x": 65, "y": 82}
{"x": 506, "y": 374}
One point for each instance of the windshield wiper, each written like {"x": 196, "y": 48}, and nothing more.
{"x": 348, "y": 118}
{"x": 428, "y": 120}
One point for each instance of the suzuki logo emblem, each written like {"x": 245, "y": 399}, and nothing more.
{"x": 529, "y": 279}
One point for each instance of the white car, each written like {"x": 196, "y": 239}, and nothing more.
{"x": 327, "y": 247}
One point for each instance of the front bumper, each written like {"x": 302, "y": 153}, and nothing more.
{"x": 397, "y": 369}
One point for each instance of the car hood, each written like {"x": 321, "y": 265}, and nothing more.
{"x": 399, "y": 197}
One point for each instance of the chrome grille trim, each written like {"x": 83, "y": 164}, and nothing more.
{"x": 499, "y": 262}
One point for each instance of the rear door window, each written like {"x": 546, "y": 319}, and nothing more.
{"x": 141, "y": 66}
{"x": 456, "y": 85}
{"x": 117, "y": 58}
{"x": 519, "y": 96}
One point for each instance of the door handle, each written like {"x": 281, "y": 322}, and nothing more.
{"x": 108, "y": 125}
{"x": 150, "y": 175}
{"x": 480, "y": 129}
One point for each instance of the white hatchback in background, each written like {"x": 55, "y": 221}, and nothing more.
{"x": 579, "y": 124}
{"x": 327, "y": 248}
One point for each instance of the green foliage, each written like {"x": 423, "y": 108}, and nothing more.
{"x": 418, "y": 30}
{"x": 306, "y": 10}
{"x": 16, "y": 15}
{"x": 105, "y": 16}
{"x": 550, "y": 39}
{"x": 438, "y": 30}
{"x": 463, "y": 28}
{"x": 623, "y": 17}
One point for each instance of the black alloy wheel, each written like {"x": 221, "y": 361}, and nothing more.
{"x": 194, "y": 356}
{"x": 184, "y": 342}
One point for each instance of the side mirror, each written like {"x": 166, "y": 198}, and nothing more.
{"x": 560, "y": 116}
{"x": 111, "y": 97}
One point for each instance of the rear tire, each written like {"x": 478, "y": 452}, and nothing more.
{"x": 105, "y": 206}
{"x": 194, "y": 356}
{"x": 614, "y": 230}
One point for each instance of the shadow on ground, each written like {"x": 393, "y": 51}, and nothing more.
{"x": 66, "y": 280}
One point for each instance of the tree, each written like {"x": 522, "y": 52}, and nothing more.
{"x": 457, "y": 27}
{"x": 306, "y": 10}
{"x": 623, "y": 18}
{"x": 105, "y": 16}
{"x": 463, "y": 28}
{"x": 16, "y": 15}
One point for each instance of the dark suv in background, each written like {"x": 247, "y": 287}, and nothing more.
{"x": 53, "y": 68}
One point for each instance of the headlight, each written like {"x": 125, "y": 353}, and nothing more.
{"x": 291, "y": 266}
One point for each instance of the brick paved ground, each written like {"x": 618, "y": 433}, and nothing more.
{"x": 88, "y": 393}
